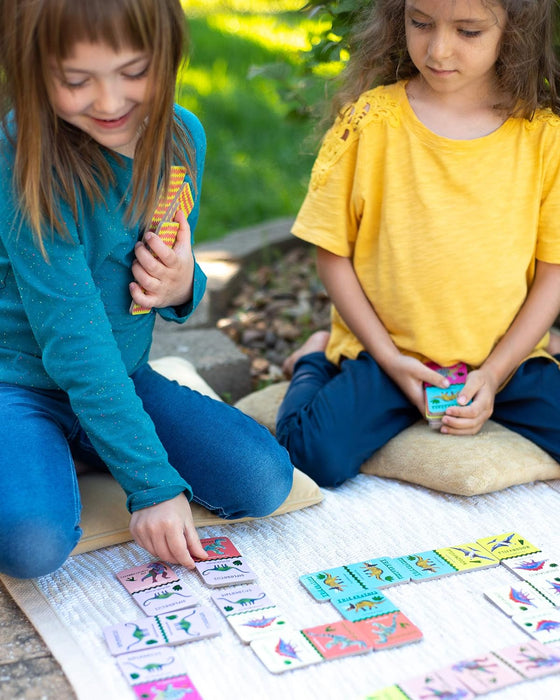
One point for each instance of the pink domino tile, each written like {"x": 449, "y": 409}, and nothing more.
{"x": 387, "y": 631}
{"x": 336, "y": 640}
{"x": 172, "y": 688}
{"x": 482, "y": 674}
{"x": 146, "y": 576}
{"x": 432, "y": 685}
{"x": 219, "y": 548}
{"x": 532, "y": 659}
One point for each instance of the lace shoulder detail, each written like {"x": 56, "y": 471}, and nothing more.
{"x": 373, "y": 106}
{"x": 542, "y": 116}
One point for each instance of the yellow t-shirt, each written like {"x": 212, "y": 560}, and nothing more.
{"x": 443, "y": 233}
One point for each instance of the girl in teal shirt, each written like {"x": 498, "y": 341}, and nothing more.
{"x": 89, "y": 138}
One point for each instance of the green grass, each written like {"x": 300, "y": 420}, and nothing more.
{"x": 259, "y": 157}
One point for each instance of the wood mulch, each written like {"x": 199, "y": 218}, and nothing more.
{"x": 280, "y": 304}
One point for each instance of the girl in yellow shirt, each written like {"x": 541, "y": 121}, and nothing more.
{"x": 434, "y": 204}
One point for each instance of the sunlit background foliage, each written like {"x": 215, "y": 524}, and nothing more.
{"x": 256, "y": 73}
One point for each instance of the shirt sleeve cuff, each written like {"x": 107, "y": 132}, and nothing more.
{"x": 180, "y": 314}
{"x": 151, "y": 497}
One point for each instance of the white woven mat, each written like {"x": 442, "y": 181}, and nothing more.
{"x": 366, "y": 517}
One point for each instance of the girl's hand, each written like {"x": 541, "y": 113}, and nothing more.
{"x": 410, "y": 374}
{"x": 481, "y": 387}
{"x": 163, "y": 276}
{"x": 167, "y": 531}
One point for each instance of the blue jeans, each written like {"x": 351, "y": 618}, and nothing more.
{"x": 334, "y": 418}
{"x": 234, "y": 465}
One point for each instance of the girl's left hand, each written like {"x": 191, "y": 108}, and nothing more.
{"x": 163, "y": 276}
{"x": 480, "y": 387}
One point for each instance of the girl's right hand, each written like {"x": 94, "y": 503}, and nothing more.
{"x": 167, "y": 531}
{"x": 410, "y": 374}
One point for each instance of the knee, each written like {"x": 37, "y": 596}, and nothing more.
{"x": 267, "y": 484}
{"x": 32, "y": 549}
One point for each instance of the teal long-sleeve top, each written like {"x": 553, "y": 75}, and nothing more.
{"x": 65, "y": 322}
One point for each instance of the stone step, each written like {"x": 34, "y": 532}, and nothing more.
{"x": 216, "y": 358}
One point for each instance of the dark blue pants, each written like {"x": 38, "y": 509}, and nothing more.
{"x": 333, "y": 418}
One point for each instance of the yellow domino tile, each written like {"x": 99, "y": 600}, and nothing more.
{"x": 466, "y": 557}
{"x": 508, "y": 545}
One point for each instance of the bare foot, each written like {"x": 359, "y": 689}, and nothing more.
{"x": 317, "y": 342}
{"x": 553, "y": 346}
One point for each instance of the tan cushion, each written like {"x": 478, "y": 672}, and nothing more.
{"x": 263, "y": 405}
{"x": 105, "y": 517}
{"x": 490, "y": 461}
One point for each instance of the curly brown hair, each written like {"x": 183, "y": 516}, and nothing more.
{"x": 52, "y": 157}
{"x": 527, "y": 68}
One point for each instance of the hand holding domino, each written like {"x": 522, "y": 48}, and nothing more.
{"x": 178, "y": 197}
{"x": 438, "y": 400}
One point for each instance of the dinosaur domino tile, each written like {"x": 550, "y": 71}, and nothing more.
{"x": 225, "y": 572}
{"x": 437, "y": 400}
{"x": 175, "y": 688}
{"x": 336, "y": 639}
{"x": 219, "y": 548}
{"x": 157, "y": 674}
{"x": 252, "y": 625}
{"x": 285, "y": 651}
{"x": 150, "y": 665}
{"x": 241, "y": 600}
{"x": 387, "y": 631}
{"x": 156, "y": 588}
{"x": 172, "y": 628}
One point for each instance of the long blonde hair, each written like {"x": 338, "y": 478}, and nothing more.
{"x": 52, "y": 157}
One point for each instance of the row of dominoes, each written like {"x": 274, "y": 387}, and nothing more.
{"x": 471, "y": 678}
{"x": 341, "y": 582}
{"x": 354, "y": 590}
{"x": 144, "y": 648}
